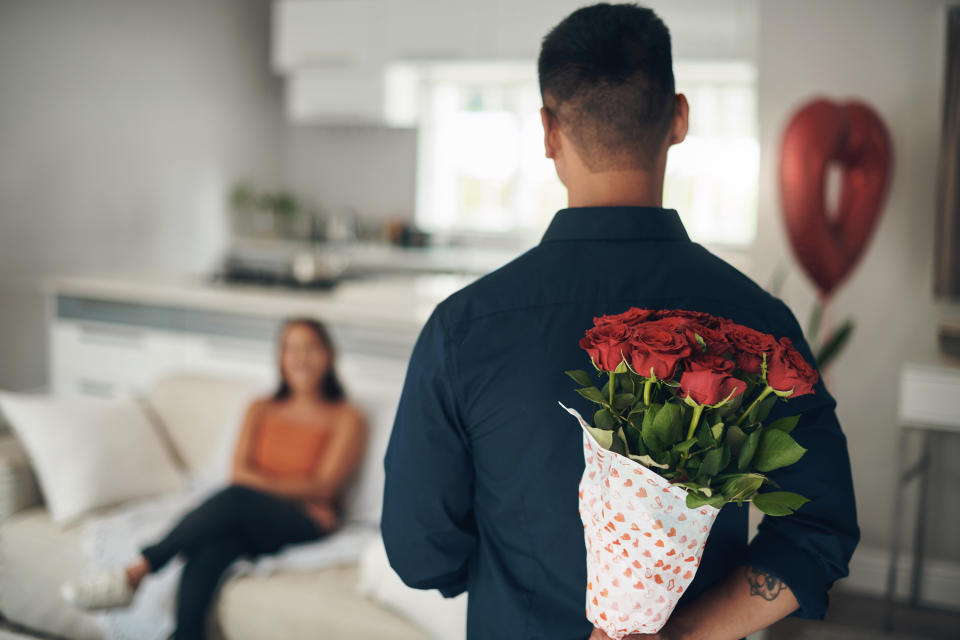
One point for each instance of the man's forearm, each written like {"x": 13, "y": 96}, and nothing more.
{"x": 748, "y": 600}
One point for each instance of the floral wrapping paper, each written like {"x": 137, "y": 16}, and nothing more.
{"x": 643, "y": 543}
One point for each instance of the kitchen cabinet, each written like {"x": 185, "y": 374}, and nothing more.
{"x": 114, "y": 345}
{"x": 336, "y": 95}
{"x": 311, "y": 33}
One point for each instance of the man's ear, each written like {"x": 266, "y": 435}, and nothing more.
{"x": 681, "y": 120}
{"x": 549, "y": 132}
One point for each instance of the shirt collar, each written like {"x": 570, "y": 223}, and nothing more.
{"x": 615, "y": 223}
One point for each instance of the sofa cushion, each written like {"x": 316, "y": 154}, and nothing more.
{"x": 36, "y": 556}
{"x": 200, "y": 415}
{"x": 90, "y": 452}
{"x": 18, "y": 483}
{"x": 314, "y": 604}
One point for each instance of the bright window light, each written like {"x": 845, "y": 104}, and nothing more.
{"x": 481, "y": 166}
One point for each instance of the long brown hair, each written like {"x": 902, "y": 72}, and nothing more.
{"x": 330, "y": 387}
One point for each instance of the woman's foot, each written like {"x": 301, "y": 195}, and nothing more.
{"x": 106, "y": 589}
{"x": 103, "y": 590}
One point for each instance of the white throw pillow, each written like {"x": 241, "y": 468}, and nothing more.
{"x": 442, "y": 618}
{"x": 90, "y": 452}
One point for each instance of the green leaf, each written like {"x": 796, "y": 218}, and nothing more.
{"x": 775, "y": 450}
{"x": 749, "y": 447}
{"x": 648, "y": 461}
{"x": 833, "y": 345}
{"x": 592, "y": 394}
{"x": 619, "y": 444}
{"x": 759, "y": 412}
{"x": 626, "y": 383}
{"x": 695, "y": 500}
{"x": 668, "y": 424}
{"x": 622, "y": 400}
{"x": 717, "y": 431}
{"x": 735, "y": 438}
{"x": 741, "y": 487}
{"x": 620, "y": 368}
{"x": 581, "y": 377}
{"x": 603, "y": 419}
{"x": 784, "y": 424}
{"x": 605, "y": 391}
{"x": 685, "y": 445}
{"x": 704, "y": 435}
{"x": 779, "y": 503}
{"x": 603, "y": 437}
{"x": 650, "y": 437}
{"x": 711, "y": 464}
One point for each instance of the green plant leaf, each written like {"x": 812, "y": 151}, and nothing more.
{"x": 592, "y": 394}
{"x": 622, "y": 400}
{"x": 603, "y": 419}
{"x": 749, "y": 447}
{"x": 603, "y": 437}
{"x": 620, "y": 368}
{"x": 668, "y": 424}
{"x": 626, "y": 383}
{"x": 779, "y": 503}
{"x": 833, "y": 345}
{"x": 650, "y": 437}
{"x": 648, "y": 461}
{"x": 739, "y": 488}
{"x": 695, "y": 500}
{"x": 581, "y": 377}
{"x": 717, "y": 431}
{"x": 711, "y": 464}
{"x": 735, "y": 438}
{"x": 784, "y": 424}
{"x": 619, "y": 443}
{"x": 775, "y": 450}
{"x": 685, "y": 445}
{"x": 763, "y": 409}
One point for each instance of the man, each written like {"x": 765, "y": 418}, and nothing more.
{"x": 483, "y": 465}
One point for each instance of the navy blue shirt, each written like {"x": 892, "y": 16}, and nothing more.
{"x": 483, "y": 464}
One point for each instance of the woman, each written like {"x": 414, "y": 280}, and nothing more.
{"x": 294, "y": 453}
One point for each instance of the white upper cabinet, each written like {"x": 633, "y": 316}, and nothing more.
{"x": 312, "y": 33}
{"x": 431, "y": 29}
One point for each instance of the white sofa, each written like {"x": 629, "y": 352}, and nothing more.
{"x": 37, "y": 555}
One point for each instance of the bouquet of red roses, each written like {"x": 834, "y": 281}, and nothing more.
{"x": 678, "y": 431}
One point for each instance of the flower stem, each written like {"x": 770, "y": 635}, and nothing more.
{"x": 763, "y": 394}
{"x": 612, "y": 381}
{"x": 697, "y": 410}
{"x": 646, "y": 391}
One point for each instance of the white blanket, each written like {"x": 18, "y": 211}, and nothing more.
{"x": 113, "y": 540}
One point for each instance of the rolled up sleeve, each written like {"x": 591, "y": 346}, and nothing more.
{"x": 810, "y": 549}
{"x": 427, "y": 521}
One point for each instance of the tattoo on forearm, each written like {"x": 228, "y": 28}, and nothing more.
{"x": 764, "y": 584}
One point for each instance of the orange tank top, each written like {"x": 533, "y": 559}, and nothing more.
{"x": 285, "y": 447}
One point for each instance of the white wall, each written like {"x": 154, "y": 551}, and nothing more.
{"x": 122, "y": 125}
{"x": 888, "y": 53}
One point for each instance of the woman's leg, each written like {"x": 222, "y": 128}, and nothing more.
{"x": 198, "y": 584}
{"x": 269, "y": 524}
{"x": 221, "y": 515}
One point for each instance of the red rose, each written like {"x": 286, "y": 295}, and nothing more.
{"x": 749, "y": 345}
{"x": 658, "y": 345}
{"x": 714, "y": 339}
{"x": 710, "y": 362}
{"x": 709, "y": 387}
{"x": 786, "y": 369}
{"x": 604, "y": 344}
{"x": 630, "y": 317}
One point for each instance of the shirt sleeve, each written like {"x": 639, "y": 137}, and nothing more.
{"x": 427, "y": 521}
{"x": 811, "y": 548}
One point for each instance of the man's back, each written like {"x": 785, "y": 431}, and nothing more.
{"x": 483, "y": 464}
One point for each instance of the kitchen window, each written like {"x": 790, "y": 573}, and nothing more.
{"x": 482, "y": 171}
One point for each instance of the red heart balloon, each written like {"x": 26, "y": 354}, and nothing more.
{"x": 854, "y": 136}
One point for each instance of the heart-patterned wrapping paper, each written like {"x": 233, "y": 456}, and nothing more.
{"x": 643, "y": 543}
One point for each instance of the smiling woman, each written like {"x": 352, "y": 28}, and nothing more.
{"x": 295, "y": 452}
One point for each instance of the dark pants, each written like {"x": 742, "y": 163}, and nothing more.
{"x": 236, "y": 521}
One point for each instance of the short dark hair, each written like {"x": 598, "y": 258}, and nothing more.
{"x": 330, "y": 386}
{"x": 606, "y": 72}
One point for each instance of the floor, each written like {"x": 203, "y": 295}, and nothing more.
{"x": 850, "y": 617}
{"x": 854, "y": 617}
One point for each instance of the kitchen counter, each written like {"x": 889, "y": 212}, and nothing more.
{"x": 397, "y": 303}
